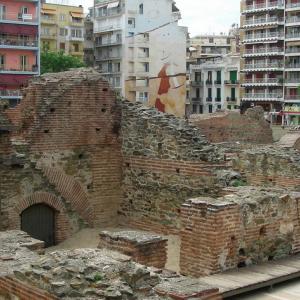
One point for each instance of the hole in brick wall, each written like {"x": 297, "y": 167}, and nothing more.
{"x": 17, "y": 166}
{"x": 233, "y": 238}
{"x": 105, "y": 90}
{"x": 127, "y": 165}
{"x": 69, "y": 103}
{"x": 5, "y": 106}
{"x": 159, "y": 145}
{"x": 98, "y": 129}
{"x": 178, "y": 210}
{"x": 270, "y": 179}
{"x": 241, "y": 264}
{"x": 242, "y": 252}
{"x": 263, "y": 231}
{"x": 52, "y": 109}
{"x": 116, "y": 128}
{"x": 178, "y": 171}
{"x": 46, "y": 131}
{"x": 80, "y": 156}
{"x": 270, "y": 258}
{"x": 103, "y": 110}
{"x": 89, "y": 186}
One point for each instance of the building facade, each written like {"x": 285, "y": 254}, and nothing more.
{"x": 214, "y": 84}
{"x": 62, "y": 29}
{"x": 19, "y": 46}
{"x": 140, "y": 49}
{"x": 271, "y": 57}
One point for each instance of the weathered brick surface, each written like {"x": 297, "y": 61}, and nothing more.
{"x": 234, "y": 127}
{"x": 65, "y": 143}
{"x": 145, "y": 248}
{"x": 248, "y": 227}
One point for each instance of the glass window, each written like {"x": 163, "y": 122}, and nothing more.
{"x": 141, "y": 9}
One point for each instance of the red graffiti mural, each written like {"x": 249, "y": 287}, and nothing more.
{"x": 163, "y": 87}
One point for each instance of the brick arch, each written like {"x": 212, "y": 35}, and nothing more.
{"x": 62, "y": 224}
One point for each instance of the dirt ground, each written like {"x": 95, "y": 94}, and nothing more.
{"x": 89, "y": 238}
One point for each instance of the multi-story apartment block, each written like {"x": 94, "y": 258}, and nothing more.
{"x": 62, "y": 29}
{"x": 88, "y": 41}
{"x": 214, "y": 84}
{"x": 19, "y": 46}
{"x": 271, "y": 57}
{"x": 140, "y": 49}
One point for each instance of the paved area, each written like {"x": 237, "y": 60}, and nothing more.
{"x": 285, "y": 291}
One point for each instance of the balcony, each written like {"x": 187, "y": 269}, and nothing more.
{"x": 197, "y": 83}
{"x": 208, "y": 82}
{"x": 108, "y": 28}
{"x": 263, "y": 21}
{"x": 270, "y": 5}
{"x": 292, "y": 98}
{"x": 218, "y": 99}
{"x": 270, "y": 66}
{"x": 10, "y": 94}
{"x": 208, "y": 99}
{"x": 109, "y": 57}
{"x": 48, "y": 20}
{"x": 294, "y": 36}
{"x": 218, "y": 82}
{"x": 26, "y": 70}
{"x": 231, "y": 99}
{"x": 293, "y": 66}
{"x": 48, "y": 35}
{"x": 231, "y": 82}
{"x": 196, "y": 99}
{"x": 291, "y": 21}
{"x": 108, "y": 42}
{"x": 77, "y": 38}
{"x": 293, "y": 6}
{"x": 13, "y": 42}
{"x": 292, "y": 82}
{"x": 109, "y": 13}
{"x": 263, "y": 37}
{"x": 263, "y": 82}
{"x": 263, "y": 97}
{"x": 19, "y": 18}
{"x": 263, "y": 52}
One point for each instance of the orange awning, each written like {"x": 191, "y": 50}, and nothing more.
{"x": 77, "y": 15}
{"x": 48, "y": 11}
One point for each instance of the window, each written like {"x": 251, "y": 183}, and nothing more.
{"x": 195, "y": 108}
{"x": 211, "y": 40}
{"x": 143, "y": 96}
{"x": 76, "y": 47}
{"x": 62, "y": 17}
{"x": 23, "y": 62}
{"x": 46, "y": 45}
{"x": 232, "y": 94}
{"x": 46, "y": 31}
{"x": 228, "y": 41}
{"x": 131, "y": 22}
{"x": 76, "y": 33}
{"x": 2, "y": 11}
{"x": 219, "y": 77}
{"x": 197, "y": 76}
{"x": 201, "y": 109}
{"x": 2, "y": 61}
{"x": 101, "y": 12}
{"x": 209, "y": 93}
{"x": 141, "y": 9}
{"x": 209, "y": 76}
{"x": 76, "y": 20}
{"x": 117, "y": 81}
{"x": 210, "y": 108}
{"x": 24, "y": 10}
{"x": 146, "y": 67}
{"x": 233, "y": 76}
{"x": 63, "y": 31}
{"x": 117, "y": 67}
{"x": 197, "y": 93}
{"x": 219, "y": 107}
{"x": 218, "y": 98}
{"x": 62, "y": 46}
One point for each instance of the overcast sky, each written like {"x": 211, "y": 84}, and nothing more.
{"x": 201, "y": 16}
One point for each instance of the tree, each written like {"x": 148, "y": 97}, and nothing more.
{"x": 52, "y": 62}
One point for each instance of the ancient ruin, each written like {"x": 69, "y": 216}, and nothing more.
{"x": 73, "y": 155}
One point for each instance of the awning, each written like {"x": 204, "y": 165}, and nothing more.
{"x": 77, "y": 15}
{"x": 113, "y": 4}
{"x": 48, "y": 11}
{"x": 13, "y": 80}
{"x": 15, "y": 29}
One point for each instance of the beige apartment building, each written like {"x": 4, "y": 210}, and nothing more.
{"x": 271, "y": 57}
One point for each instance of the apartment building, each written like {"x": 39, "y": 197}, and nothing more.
{"x": 19, "y": 46}
{"x": 62, "y": 29}
{"x": 140, "y": 49}
{"x": 271, "y": 57}
{"x": 214, "y": 84}
{"x": 88, "y": 48}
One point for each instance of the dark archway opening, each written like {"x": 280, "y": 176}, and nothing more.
{"x": 39, "y": 222}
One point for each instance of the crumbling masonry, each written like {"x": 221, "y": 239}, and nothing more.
{"x": 98, "y": 161}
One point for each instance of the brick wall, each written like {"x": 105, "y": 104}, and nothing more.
{"x": 230, "y": 127}
{"x": 66, "y": 143}
{"x": 165, "y": 162}
{"x": 248, "y": 227}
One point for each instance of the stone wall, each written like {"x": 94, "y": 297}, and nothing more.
{"x": 268, "y": 165}
{"x": 165, "y": 162}
{"x": 231, "y": 126}
{"x": 65, "y": 146}
{"x": 251, "y": 225}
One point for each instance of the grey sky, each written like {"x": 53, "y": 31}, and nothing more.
{"x": 201, "y": 16}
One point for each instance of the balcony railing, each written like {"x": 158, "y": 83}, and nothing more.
{"x": 263, "y": 96}
{"x": 271, "y": 4}
{"x": 231, "y": 81}
{"x": 293, "y": 35}
{"x": 263, "y": 81}
{"x": 10, "y": 93}
{"x": 19, "y": 17}
{"x": 14, "y": 41}
{"x": 197, "y": 83}
{"x": 208, "y": 82}
{"x": 108, "y": 42}
{"x": 263, "y": 21}
{"x": 293, "y": 20}
{"x": 270, "y": 65}
{"x": 269, "y": 35}
{"x": 109, "y": 13}
{"x": 232, "y": 99}
{"x": 21, "y": 69}
{"x": 208, "y": 99}
{"x": 264, "y": 50}
{"x": 293, "y": 80}
{"x": 293, "y": 66}
{"x": 197, "y": 99}
{"x": 293, "y": 5}
{"x": 217, "y": 99}
{"x": 109, "y": 57}
{"x": 293, "y": 50}
{"x": 218, "y": 82}
{"x": 292, "y": 97}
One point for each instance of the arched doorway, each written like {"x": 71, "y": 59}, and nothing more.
{"x": 39, "y": 222}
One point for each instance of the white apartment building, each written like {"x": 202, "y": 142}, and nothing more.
{"x": 141, "y": 50}
{"x": 215, "y": 84}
